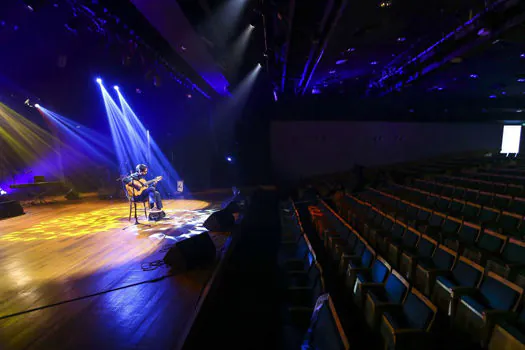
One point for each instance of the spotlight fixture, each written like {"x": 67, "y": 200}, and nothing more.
{"x": 229, "y": 159}
{"x": 99, "y": 80}
{"x": 259, "y": 65}
{"x": 115, "y": 87}
{"x": 251, "y": 26}
{"x": 37, "y": 105}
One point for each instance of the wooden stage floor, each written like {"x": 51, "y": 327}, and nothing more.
{"x": 70, "y": 277}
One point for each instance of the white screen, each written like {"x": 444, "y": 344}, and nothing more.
{"x": 511, "y": 139}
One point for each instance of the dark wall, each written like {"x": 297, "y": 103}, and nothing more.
{"x": 301, "y": 149}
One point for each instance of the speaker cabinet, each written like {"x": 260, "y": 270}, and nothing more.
{"x": 220, "y": 221}
{"x": 196, "y": 251}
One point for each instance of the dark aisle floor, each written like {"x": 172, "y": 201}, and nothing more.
{"x": 246, "y": 312}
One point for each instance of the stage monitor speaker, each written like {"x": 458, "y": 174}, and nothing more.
{"x": 9, "y": 209}
{"x": 198, "y": 250}
{"x": 220, "y": 221}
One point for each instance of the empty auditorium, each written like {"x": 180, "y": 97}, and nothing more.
{"x": 262, "y": 174}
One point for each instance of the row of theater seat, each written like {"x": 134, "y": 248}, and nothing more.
{"x": 310, "y": 318}
{"x": 475, "y": 299}
{"x": 495, "y": 176}
{"x": 513, "y": 204}
{"x": 400, "y": 313}
{"x": 512, "y": 224}
{"x": 482, "y": 185}
{"x": 502, "y": 254}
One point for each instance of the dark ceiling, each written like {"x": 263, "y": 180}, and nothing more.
{"x": 358, "y": 56}
{"x": 346, "y": 52}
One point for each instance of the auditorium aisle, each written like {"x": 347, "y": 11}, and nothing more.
{"x": 245, "y": 314}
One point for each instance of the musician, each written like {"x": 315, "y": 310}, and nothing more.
{"x": 150, "y": 193}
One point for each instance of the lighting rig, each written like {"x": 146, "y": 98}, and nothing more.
{"x": 482, "y": 28}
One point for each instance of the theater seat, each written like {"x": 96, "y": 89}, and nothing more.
{"x": 510, "y": 261}
{"x": 425, "y": 248}
{"x": 465, "y": 273}
{"x": 407, "y": 326}
{"x": 478, "y": 306}
{"x": 375, "y": 276}
{"x": 384, "y": 296}
{"x": 325, "y": 331}
{"x": 509, "y": 333}
{"x": 427, "y": 269}
{"x": 358, "y": 264}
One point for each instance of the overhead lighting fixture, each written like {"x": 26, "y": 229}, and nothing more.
{"x": 99, "y": 80}
{"x": 492, "y": 96}
{"x": 401, "y": 39}
{"x": 332, "y": 71}
{"x": 251, "y": 26}
{"x": 521, "y": 80}
{"x": 37, "y": 105}
{"x": 352, "y": 49}
{"x": 115, "y": 87}
{"x": 341, "y": 61}
{"x": 385, "y": 4}
{"x": 522, "y": 55}
{"x": 474, "y": 76}
{"x": 373, "y": 63}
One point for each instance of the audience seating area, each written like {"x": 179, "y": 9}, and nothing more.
{"x": 437, "y": 261}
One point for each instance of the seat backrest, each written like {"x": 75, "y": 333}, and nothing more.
{"x": 500, "y": 293}
{"x": 380, "y": 269}
{"x": 488, "y": 214}
{"x": 367, "y": 257}
{"x": 509, "y": 221}
{"x": 436, "y": 219}
{"x": 325, "y": 331}
{"x": 387, "y": 223}
{"x": 514, "y": 251}
{"x": 397, "y": 230}
{"x": 359, "y": 248}
{"x": 451, "y": 225}
{"x": 419, "y": 311}
{"x": 467, "y": 273}
{"x": 423, "y": 214}
{"x": 444, "y": 257}
{"x": 426, "y": 246}
{"x": 396, "y": 287}
{"x": 469, "y": 232}
{"x": 491, "y": 241}
{"x": 410, "y": 237}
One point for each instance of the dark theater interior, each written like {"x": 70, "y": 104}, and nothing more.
{"x": 262, "y": 174}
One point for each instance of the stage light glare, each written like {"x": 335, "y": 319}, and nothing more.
{"x": 251, "y": 26}
{"x": 37, "y": 105}
{"x": 115, "y": 87}
{"x": 99, "y": 80}
{"x": 259, "y": 65}
{"x": 229, "y": 159}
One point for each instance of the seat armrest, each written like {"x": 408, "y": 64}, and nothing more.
{"x": 461, "y": 291}
{"x": 515, "y": 266}
{"x": 408, "y": 331}
{"x": 371, "y": 285}
{"x": 499, "y": 315}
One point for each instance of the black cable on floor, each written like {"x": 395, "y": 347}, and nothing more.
{"x": 158, "y": 279}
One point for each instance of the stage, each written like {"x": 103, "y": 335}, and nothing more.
{"x": 72, "y": 273}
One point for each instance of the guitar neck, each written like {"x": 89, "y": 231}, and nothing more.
{"x": 151, "y": 181}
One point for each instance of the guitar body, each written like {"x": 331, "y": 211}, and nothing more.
{"x": 137, "y": 187}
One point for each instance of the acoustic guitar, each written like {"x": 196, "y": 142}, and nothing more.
{"x": 136, "y": 187}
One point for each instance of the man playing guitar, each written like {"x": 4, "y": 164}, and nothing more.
{"x": 139, "y": 188}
